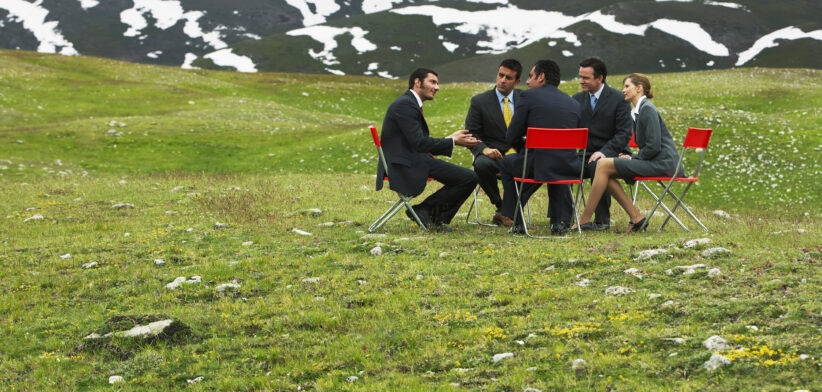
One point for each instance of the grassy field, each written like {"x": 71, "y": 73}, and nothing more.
{"x": 191, "y": 149}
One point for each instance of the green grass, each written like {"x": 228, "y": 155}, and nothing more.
{"x": 253, "y": 150}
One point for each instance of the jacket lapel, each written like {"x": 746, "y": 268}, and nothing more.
{"x": 494, "y": 108}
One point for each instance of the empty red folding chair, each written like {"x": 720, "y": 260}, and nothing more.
{"x": 553, "y": 139}
{"x": 404, "y": 201}
{"x": 696, "y": 139}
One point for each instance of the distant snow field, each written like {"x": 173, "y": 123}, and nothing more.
{"x": 33, "y": 18}
{"x": 327, "y": 36}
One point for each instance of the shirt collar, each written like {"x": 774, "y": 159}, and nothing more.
{"x": 419, "y": 101}
{"x": 500, "y": 96}
{"x": 635, "y": 111}
{"x": 599, "y": 92}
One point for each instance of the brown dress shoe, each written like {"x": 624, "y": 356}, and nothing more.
{"x": 502, "y": 220}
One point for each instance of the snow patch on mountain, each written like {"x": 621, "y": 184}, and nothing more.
{"x": 511, "y": 24}
{"x": 327, "y": 36}
{"x": 86, "y": 4}
{"x": 167, "y": 14}
{"x": 33, "y": 17}
{"x": 372, "y": 6}
{"x": 321, "y": 10}
{"x": 226, "y": 58}
{"x": 769, "y": 41}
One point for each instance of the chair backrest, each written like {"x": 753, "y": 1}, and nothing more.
{"x": 632, "y": 142}
{"x": 556, "y": 138}
{"x": 378, "y": 144}
{"x": 375, "y": 136}
{"x": 697, "y": 138}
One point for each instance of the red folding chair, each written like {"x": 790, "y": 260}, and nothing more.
{"x": 475, "y": 207}
{"x": 696, "y": 139}
{"x": 553, "y": 139}
{"x": 404, "y": 200}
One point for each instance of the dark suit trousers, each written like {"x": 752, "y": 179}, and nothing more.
{"x": 602, "y": 214}
{"x": 458, "y": 183}
{"x": 487, "y": 170}
{"x": 560, "y": 203}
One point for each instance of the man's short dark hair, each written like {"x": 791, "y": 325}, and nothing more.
{"x": 598, "y": 65}
{"x": 551, "y": 70}
{"x": 513, "y": 65}
{"x": 419, "y": 73}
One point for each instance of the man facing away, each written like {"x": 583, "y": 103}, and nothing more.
{"x": 542, "y": 106}
{"x": 409, "y": 151}
{"x": 608, "y": 119}
{"x": 488, "y": 118}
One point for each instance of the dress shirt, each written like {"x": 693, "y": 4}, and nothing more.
{"x": 419, "y": 102}
{"x": 501, "y": 99}
{"x": 635, "y": 110}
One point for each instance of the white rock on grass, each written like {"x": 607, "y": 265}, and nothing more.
{"x": 717, "y": 361}
{"x": 312, "y": 212}
{"x": 752, "y": 327}
{"x": 697, "y": 242}
{"x": 376, "y": 251}
{"x": 195, "y": 380}
{"x": 145, "y": 331}
{"x": 716, "y": 343}
{"x": 634, "y": 272}
{"x": 225, "y": 286}
{"x": 714, "y": 272}
{"x": 65, "y": 256}
{"x": 650, "y": 253}
{"x": 351, "y": 379}
{"x": 444, "y": 254}
{"x": 311, "y": 280}
{"x": 531, "y": 389}
{"x": 115, "y": 379}
{"x": 90, "y": 265}
{"x": 500, "y": 357}
{"x": 33, "y": 218}
{"x": 722, "y": 214}
{"x": 715, "y": 252}
{"x": 690, "y": 269}
{"x": 654, "y": 296}
{"x": 159, "y": 262}
{"x": 177, "y": 188}
{"x": 368, "y": 236}
{"x": 583, "y": 283}
{"x": 618, "y": 290}
{"x": 675, "y": 340}
{"x": 300, "y": 232}
{"x": 325, "y": 224}
{"x": 119, "y": 206}
{"x": 218, "y": 225}
{"x": 579, "y": 364}
{"x": 248, "y": 243}
{"x": 176, "y": 283}
{"x": 549, "y": 268}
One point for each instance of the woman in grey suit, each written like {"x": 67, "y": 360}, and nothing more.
{"x": 657, "y": 155}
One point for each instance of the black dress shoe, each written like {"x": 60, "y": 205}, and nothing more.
{"x": 587, "y": 226}
{"x": 425, "y": 217}
{"x": 560, "y": 228}
{"x": 517, "y": 229}
{"x": 600, "y": 227}
{"x": 637, "y": 226}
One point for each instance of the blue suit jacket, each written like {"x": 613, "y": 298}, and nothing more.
{"x": 546, "y": 107}
{"x": 408, "y": 147}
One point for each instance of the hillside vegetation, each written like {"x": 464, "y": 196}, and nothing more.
{"x": 122, "y": 165}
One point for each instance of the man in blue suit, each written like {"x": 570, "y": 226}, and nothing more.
{"x": 409, "y": 151}
{"x": 542, "y": 106}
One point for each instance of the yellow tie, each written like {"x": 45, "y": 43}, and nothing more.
{"x": 506, "y": 111}
{"x": 506, "y": 114}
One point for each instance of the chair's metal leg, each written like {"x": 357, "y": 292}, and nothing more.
{"x": 385, "y": 216}
{"x": 659, "y": 203}
{"x": 576, "y": 203}
{"x": 414, "y": 213}
{"x": 475, "y": 207}
{"x": 635, "y": 191}
{"x": 679, "y": 202}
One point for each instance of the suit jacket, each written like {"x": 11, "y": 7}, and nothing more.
{"x": 546, "y": 107}
{"x": 609, "y": 124}
{"x": 653, "y": 138}
{"x": 407, "y": 146}
{"x": 486, "y": 122}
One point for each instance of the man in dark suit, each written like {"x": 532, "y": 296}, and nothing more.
{"x": 409, "y": 151}
{"x": 488, "y": 118}
{"x": 542, "y": 106}
{"x": 608, "y": 119}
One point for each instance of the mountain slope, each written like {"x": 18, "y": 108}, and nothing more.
{"x": 389, "y": 38}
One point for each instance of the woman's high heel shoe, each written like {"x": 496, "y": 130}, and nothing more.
{"x": 637, "y": 226}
